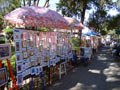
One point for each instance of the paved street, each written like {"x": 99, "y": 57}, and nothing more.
{"x": 103, "y": 73}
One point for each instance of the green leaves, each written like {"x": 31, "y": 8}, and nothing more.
{"x": 114, "y": 23}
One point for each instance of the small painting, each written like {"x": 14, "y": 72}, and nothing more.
{"x": 25, "y": 54}
{"x": 19, "y": 67}
{"x": 19, "y": 79}
{"x": 28, "y": 65}
{"x": 17, "y": 35}
{"x": 23, "y": 67}
{"x": 41, "y": 48}
{"x": 5, "y": 51}
{"x": 37, "y": 71}
{"x": 17, "y": 46}
{"x": 38, "y": 60}
{"x": 32, "y": 70}
{"x": 40, "y": 69}
{"x": 24, "y": 43}
{"x": 18, "y": 57}
{"x": 24, "y": 73}
{"x": 31, "y": 53}
{"x": 33, "y": 63}
{"x": 3, "y": 77}
{"x": 46, "y": 59}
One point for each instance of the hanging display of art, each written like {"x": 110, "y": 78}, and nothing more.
{"x": 35, "y": 50}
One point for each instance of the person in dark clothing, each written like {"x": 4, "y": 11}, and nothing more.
{"x": 118, "y": 50}
{"x": 74, "y": 58}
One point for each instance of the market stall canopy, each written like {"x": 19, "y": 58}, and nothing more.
{"x": 37, "y": 17}
{"x": 91, "y": 34}
{"x": 74, "y": 23}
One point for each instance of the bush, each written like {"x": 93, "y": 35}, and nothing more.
{"x": 2, "y": 41}
{"x": 75, "y": 42}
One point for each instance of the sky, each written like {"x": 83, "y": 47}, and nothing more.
{"x": 112, "y": 12}
{"x": 52, "y": 4}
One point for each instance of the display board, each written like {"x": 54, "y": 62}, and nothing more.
{"x": 5, "y": 51}
{"x": 35, "y": 49}
{"x": 3, "y": 76}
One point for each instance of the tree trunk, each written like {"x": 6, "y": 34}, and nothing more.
{"x": 82, "y": 19}
{"x": 38, "y": 2}
{"x": 24, "y": 2}
{"x": 46, "y": 3}
{"x": 34, "y": 2}
{"x": 29, "y": 2}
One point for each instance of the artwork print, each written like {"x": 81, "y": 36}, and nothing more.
{"x": 40, "y": 69}
{"x": 17, "y": 35}
{"x": 24, "y": 43}
{"x": 5, "y": 51}
{"x": 24, "y": 35}
{"x": 32, "y": 70}
{"x": 17, "y": 46}
{"x": 19, "y": 67}
{"x": 25, "y": 54}
{"x": 19, "y": 79}
{"x": 33, "y": 63}
{"x": 3, "y": 77}
{"x": 37, "y": 71}
{"x": 18, "y": 57}
{"x": 38, "y": 60}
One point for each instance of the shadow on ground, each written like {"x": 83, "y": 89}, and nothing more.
{"x": 103, "y": 73}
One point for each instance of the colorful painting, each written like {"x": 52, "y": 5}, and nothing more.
{"x": 17, "y": 46}
{"x": 5, "y": 51}
{"x": 24, "y": 43}
{"x": 32, "y": 70}
{"x": 18, "y": 57}
{"x": 19, "y": 79}
{"x": 25, "y": 54}
{"x": 3, "y": 77}
{"x": 17, "y": 35}
{"x": 19, "y": 68}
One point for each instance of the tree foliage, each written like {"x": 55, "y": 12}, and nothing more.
{"x": 72, "y": 8}
{"x": 114, "y": 23}
{"x": 97, "y": 20}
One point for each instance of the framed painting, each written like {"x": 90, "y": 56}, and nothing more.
{"x": 19, "y": 79}
{"x": 25, "y": 54}
{"x": 3, "y": 77}
{"x": 24, "y": 43}
{"x": 18, "y": 46}
{"x": 19, "y": 68}
{"x": 5, "y": 51}
{"x": 18, "y": 57}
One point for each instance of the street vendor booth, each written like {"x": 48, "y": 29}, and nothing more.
{"x": 86, "y": 47}
{"x": 75, "y": 27}
{"x": 93, "y": 41}
{"x": 36, "y": 50}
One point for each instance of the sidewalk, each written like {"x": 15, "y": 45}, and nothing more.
{"x": 103, "y": 73}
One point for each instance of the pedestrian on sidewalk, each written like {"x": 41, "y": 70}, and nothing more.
{"x": 74, "y": 58}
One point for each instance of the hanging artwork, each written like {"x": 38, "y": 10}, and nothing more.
{"x": 35, "y": 50}
{"x": 5, "y": 51}
{"x": 18, "y": 57}
{"x": 3, "y": 77}
{"x": 19, "y": 79}
{"x": 18, "y": 46}
{"x": 19, "y": 67}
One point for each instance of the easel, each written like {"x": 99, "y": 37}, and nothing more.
{"x": 11, "y": 73}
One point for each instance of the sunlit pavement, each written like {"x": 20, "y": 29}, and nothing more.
{"x": 103, "y": 73}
